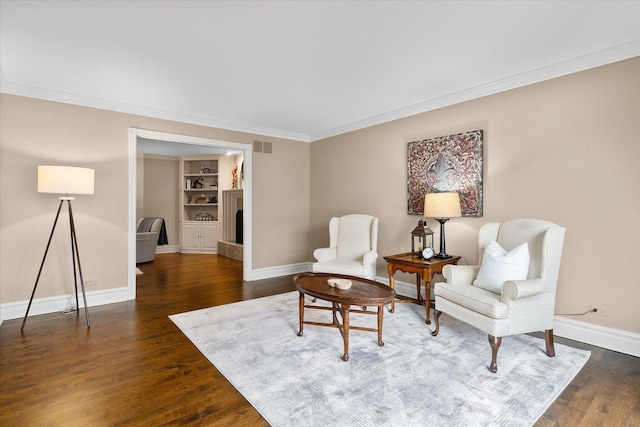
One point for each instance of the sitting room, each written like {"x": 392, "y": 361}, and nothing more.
{"x": 317, "y": 110}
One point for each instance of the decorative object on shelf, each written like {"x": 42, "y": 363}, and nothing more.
{"x": 206, "y": 170}
{"x": 198, "y": 183}
{"x": 204, "y": 216}
{"x": 234, "y": 177}
{"x": 65, "y": 180}
{"x": 421, "y": 238}
{"x": 202, "y": 168}
{"x": 451, "y": 163}
{"x": 202, "y": 199}
{"x": 213, "y": 199}
{"x": 188, "y": 186}
{"x": 442, "y": 206}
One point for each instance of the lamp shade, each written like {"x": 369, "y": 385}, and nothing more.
{"x": 442, "y": 205}
{"x": 65, "y": 180}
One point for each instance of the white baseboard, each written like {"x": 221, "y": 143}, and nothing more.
{"x": 601, "y": 336}
{"x": 402, "y": 288}
{"x": 282, "y": 270}
{"x": 16, "y": 310}
{"x": 167, "y": 249}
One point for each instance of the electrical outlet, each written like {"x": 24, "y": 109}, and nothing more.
{"x": 90, "y": 282}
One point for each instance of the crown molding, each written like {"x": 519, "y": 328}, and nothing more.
{"x": 574, "y": 65}
{"x": 85, "y": 101}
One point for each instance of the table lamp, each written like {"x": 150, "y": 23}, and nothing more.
{"x": 442, "y": 206}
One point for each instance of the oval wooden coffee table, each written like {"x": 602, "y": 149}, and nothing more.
{"x": 363, "y": 293}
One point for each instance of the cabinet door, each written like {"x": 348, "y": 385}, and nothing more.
{"x": 209, "y": 236}
{"x": 191, "y": 236}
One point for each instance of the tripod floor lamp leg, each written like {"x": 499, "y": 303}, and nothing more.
{"x": 76, "y": 259}
{"x": 24, "y": 321}
{"x": 76, "y": 255}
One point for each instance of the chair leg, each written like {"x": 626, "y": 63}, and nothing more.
{"x": 436, "y": 319}
{"x": 495, "y": 345}
{"x": 548, "y": 339}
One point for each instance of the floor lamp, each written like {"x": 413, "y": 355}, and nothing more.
{"x": 64, "y": 180}
{"x": 442, "y": 206}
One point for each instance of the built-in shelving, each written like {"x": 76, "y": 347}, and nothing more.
{"x": 199, "y": 204}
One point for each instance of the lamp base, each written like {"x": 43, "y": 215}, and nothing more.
{"x": 443, "y": 256}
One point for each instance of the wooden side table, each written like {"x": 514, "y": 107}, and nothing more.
{"x": 424, "y": 269}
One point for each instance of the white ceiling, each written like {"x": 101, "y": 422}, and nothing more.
{"x": 304, "y": 70}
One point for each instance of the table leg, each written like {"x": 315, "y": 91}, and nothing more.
{"x": 392, "y": 285}
{"x": 380, "y": 314}
{"x": 427, "y": 301}
{"x": 301, "y": 312}
{"x": 418, "y": 293}
{"x": 345, "y": 328}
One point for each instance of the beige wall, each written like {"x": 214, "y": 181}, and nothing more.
{"x": 283, "y": 189}
{"x": 566, "y": 150}
{"x": 35, "y": 132}
{"x": 160, "y": 192}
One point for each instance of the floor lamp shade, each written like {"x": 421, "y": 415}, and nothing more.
{"x": 65, "y": 180}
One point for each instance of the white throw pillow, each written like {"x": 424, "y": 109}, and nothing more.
{"x": 499, "y": 266}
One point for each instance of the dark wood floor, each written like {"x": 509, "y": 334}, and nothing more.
{"x": 134, "y": 367}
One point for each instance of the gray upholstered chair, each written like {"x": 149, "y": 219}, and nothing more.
{"x": 353, "y": 246}
{"x": 146, "y": 241}
{"x": 515, "y": 306}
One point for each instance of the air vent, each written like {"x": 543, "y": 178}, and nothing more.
{"x": 262, "y": 147}
{"x": 267, "y": 147}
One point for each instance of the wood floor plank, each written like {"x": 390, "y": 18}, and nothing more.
{"x": 135, "y": 368}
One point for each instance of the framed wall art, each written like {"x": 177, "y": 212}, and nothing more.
{"x": 443, "y": 164}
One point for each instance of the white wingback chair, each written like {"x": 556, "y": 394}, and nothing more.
{"x": 353, "y": 246}
{"x": 522, "y": 306}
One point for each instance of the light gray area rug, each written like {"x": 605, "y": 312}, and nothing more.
{"x": 413, "y": 380}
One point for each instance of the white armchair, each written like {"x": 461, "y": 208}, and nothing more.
{"x": 515, "y": 306}
{"x": 353, "y": 246}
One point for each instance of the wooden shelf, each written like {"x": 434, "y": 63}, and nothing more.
{"x": 203, "y": 175}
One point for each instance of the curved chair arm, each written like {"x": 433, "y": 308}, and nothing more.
{"x": 516, "y": 289}
{"x": 325, "y": 254}
{"x": 369, "y": 258}
{"x": 460, "y": 274}
{"x": 147, "y": 235}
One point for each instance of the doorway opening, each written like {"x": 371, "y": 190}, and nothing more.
{"x": 177, "y": 145}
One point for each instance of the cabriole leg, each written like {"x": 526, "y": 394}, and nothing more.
{"x": 495, "y": 345}
{"x": 436, "y": 319}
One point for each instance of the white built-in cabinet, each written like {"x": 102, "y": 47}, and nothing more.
{"x": 199, "y": 237}
{"x": 198, "y": 200}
